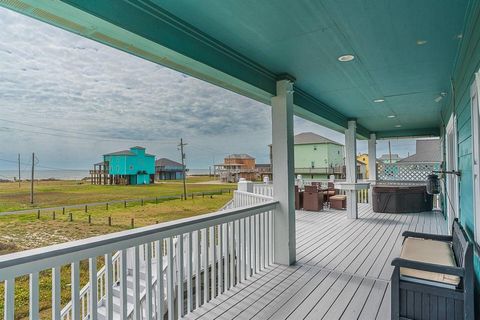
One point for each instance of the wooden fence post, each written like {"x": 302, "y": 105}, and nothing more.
{"x": 86, "y": 208}
{"x": 133, "y": 223}
{"x": 70, "y": 216}
{"x": 38, "y": 214}
{"x": 124, "y": 204}
{"x": 63, "y": 210}
{"x": 89, "y": 219}
{"x": 53, "y": 215}
{"x": 110, "y": 221}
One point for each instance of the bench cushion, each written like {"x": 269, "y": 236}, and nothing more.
{"x": 429, "y": 251}
{"x": 338, "y": 197}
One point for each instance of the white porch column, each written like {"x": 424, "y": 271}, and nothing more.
{"x": 372, "y": 164}
{"x": 351, "y": 168}
{"x": 283, "y": 173}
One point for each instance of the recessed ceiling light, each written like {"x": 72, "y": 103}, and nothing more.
{"x": 346, "y": 58}
{"x": 398, "y": 126}
{"x": 378, "y": 100}
{"x": 391, "y": 116}
{"x": 421, "y": 42}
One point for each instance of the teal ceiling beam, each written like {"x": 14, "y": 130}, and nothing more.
{"x": 410, "y": 133}
{"x": 314, "y": 106}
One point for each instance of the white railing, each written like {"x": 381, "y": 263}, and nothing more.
{"x": 263, "y": 189}
{"x": 222, "y": 248}
{"x": 66, "y": 313}
{"x": 362, "y": 195}
{"x": 243, "y": 199}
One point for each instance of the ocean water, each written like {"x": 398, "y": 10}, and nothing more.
{"x": 46, "y": 174}
{"x": 66, "y": 174}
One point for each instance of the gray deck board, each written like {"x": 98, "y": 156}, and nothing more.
{"x": 342, "y": 271}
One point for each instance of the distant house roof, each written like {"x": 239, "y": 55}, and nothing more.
{"x": 164, "y": 162}
{"x": 312, "y": 138}
{"x": 121, "y": 153}
{"x": 427, "y": 151}
{"x": 128, "y": 152}
{"x": 239, "y": 156}
{"x": 395, "y": 156}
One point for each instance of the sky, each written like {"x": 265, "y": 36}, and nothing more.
{"x": 70, "y": 100}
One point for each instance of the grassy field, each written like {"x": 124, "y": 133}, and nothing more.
{"x": 63, "y": 193}
{"x": 25, "y": 231}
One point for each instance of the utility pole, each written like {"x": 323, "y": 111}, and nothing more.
{"x": 19, "y": 178}
{"x": 33, "y": 175}
{"x": 181, "y": 145}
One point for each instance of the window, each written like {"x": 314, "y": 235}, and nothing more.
{"x": 475, "y": 90}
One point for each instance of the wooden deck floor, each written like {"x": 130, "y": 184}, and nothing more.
{"x": 342, "y": 271}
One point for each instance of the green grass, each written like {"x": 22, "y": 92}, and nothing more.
{"x": 25, "y": 231}
{"x": 64, "y": 193}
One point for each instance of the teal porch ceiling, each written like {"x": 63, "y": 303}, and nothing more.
{"x": 305, "y": 38}
{"x": 243, "y": 45}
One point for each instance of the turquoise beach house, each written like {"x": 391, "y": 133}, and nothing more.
{"x": 133, "y": 165}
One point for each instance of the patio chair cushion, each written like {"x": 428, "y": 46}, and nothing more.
{"x": 429, "y": 251}
{"x": 338, "y": 197}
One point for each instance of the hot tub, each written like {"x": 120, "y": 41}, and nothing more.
{"x": 401, "y": 199}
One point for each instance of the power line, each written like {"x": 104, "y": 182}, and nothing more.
{"x": 76, "y": 133}
{"x": 95, "y": 138}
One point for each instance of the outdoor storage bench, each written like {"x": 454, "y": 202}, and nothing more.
{"x": 433, "y": 277}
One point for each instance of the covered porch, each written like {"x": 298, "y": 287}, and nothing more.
{"x": 369, "y": 70}
{"x": 342, "y": 271}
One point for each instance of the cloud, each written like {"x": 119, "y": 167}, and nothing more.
{"x": 88, "y": 94}
{"x": 52, "y": 78}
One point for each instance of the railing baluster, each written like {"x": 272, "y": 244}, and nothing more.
{"x": 232, "y": 253}
{"x": 92, "y": 301}
{"x": 123, "y": 284}
{"x": 248, "y": 248}
{"x": 148, "y": 281}
{"x": 189, "y": 274}
{"x": 75, "y": 289}
{"x": 261, "y": 242}
{"x": 9, "y": 304}
{"x": 159, "y": 258}
{"x": 242, "y": 259}
{"x": 136, "y": 283}
{"x": 108, "y": 283}
{"x": 180, "y": 302}
{"x": 34, "y": 296}
{"x": 170, "y": 279}
{"x": 253, "y": 245}
{"x": 213, "y": 258}
{"x": 206, "y": 286}
{"x": 56, "y": 306}
{"x": 237, "y": 256}
{"x": 220, "y": 259}
{"x": 226, "y": 255}
{"x": 270, "y": 238}
{"x": 198, "y": 290}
